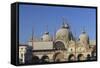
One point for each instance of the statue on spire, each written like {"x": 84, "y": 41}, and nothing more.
{"x": 83, "y": 30}
{"x": 65, "y": 24}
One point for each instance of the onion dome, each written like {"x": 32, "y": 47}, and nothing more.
{"x": 46, "y": 37}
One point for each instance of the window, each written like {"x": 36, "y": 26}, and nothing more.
{"x": 21, "y": 49}
{"x": 59, "y": 45}
{"x": 22, "y": 55}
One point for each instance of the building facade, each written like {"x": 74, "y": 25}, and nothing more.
{"x": 60, "y": 48}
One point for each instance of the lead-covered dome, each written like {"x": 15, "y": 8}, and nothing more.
{"x": 84, "y": 38}
{"x": 63, "y": 33}
{"x": 46, "y": 37}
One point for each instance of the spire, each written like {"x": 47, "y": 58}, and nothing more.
{"x": 64, "y": 20}
{"x": 83, "y": 30}
{"x": 75, "y": 37}
{"x": 54, "y": 37}
{"x": 32, "y": 36}
{"x": 65, "y": 24}
{"x": 46, "y": 32}
{"x": 32, "y": 33}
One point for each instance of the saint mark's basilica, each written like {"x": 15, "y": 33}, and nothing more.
{"x": 60, "y": 48}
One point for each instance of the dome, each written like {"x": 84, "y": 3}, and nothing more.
{"x": 84, "y": 37}
{"x": 63, "y": 33}
{"x": 46, "y": 37}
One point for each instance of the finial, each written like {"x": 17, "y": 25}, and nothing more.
{"x": 83, "y": 30}
{"x": 63, "y": 20}
{"x": 46, "y": 32}
{"x": 32, "y": 33}
{"x": 65, "y": 24}
{"x": 46, "y": 27}
{"x": 32, "y": 36}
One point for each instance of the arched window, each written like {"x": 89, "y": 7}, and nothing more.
{"x": 58, "y": 57}
{"x": 80, "y": 57}
{"x": 45, "y": 59}
{"x": 88, "y": 57}
{"x": 71, "y": 57}
{"x": 35, "y": 59}
{"x": 59, "y": 45}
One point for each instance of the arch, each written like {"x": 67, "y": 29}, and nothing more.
{"x": 59, "y": 45}
{"x": 45, "y": 59}
{"x": 88, "y": 57}
{"x": 71, "y": 57}
{"x": 80, "y": 57}
{"x": 58, "y": 57}
{"x": 20, "y": 60}
{"x": 35, "y": 59}
{"x": 93, "y": 53}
